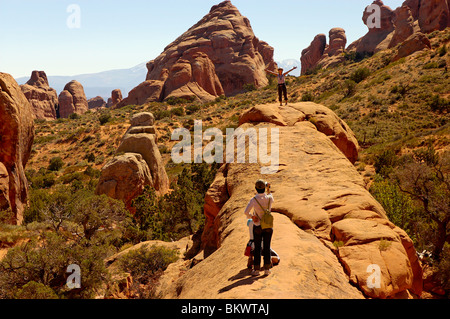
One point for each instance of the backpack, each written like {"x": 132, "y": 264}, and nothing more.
{"x": 267, "y": 219}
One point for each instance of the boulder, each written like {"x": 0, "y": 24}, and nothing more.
{"x": 313, "y": 54}
{"x": 404, "y": 25}
{"x": 96, "y": 103}
{"x": 124, "y": 178}
{"x": 17, "y": 135}
{"x": 328, "y": 229}
{"x": 433, "y": 15}
{"x": 43, "y": 99}
{"x": 72, "y": 100}
{"x": 416, "y": 42}
{"x": 216, "y": 56}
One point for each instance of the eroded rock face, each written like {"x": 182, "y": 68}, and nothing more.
{"x": 313, "y": 54}
{"x": 96, "y": 103}
{"x": 404, "y": 25}
{"x": 328, "y": 228}
{"x": 397, "y": 26}
{"x": 72, "y": 100}
{"x": 125, "y": 176}
{"x": 218, "y": 55}
{"x": 416, "y": 42}
{"x": 433, "y": 15}
{"x": 43, "y": 99}
{"x": 16, "y": 139}
{"x": 379, "y": 37}
{"x": 116, "y": 98}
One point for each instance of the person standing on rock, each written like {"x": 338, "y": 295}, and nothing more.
{"x": 258, "y": 204}
{"x": 282, "y": 89}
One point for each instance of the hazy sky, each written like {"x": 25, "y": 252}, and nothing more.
{"x": 121, "y": 34}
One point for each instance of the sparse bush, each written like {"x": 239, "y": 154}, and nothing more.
{"x": 178, "y": 111}
{"x": 384, "y": 162}
{"x": 55, "y": 164}
{"x": 104, "y": 117}
{"x": 349, "y": 88}
{"x": 438, "y": 104}
{"x": 36, "y": 290}
{"x": 74, "y": 116}
{"x": 307, "y": 96}
{"x": 360, "y": 75}
{"x": 145, "y": 262}
{"x": 249, "y": 87}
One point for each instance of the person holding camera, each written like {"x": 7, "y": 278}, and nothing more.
{"x": 261, "y": 204}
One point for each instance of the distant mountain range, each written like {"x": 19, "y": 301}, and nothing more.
{"x": 101, "y": 84}
{"x": 289, "y": 64}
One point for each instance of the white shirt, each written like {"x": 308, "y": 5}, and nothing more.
{"x": 281, "y": 79}
{"x": 265, "y": 201}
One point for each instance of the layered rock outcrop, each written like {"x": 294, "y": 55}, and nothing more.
{"x": 329, "y": 232}
{"x": 398, "y": 25}
{"x": 313, "y": 54}
{"x": 126, "y": 175}
{"x": 16, "y": 139}
{"x": 116, "y": 98}
{"x": 387, "y": 29}
{"x": 321, "y": 54}
{"x": 218, "y": 55}
{"x": 43, "y": 99}
{"x": 72, "y": 100}
{"x": 96, "y": 103}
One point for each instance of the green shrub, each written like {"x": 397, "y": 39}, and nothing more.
{"x": 161, "y": 114}
{"x": 191, "y": 109}
{"x": 104, "y": 117}
{"x": 45, "y": 262}
{"x": 41, "y": 179}
{"x": 145, "y": 262}
{"x": 307, "y": 96}
{"x": 55, "y": 164}
{"x": 349, "y": 88}
{"x": 175, "y": 215}
{"x": 36, "y": 290}
{"x": 443, "y": 50}
{"x": 360, "y": 75}
{"x": 249, "y": 87}
{"x": 384, "y": 162}
{"x": 178, "y": 111}
{"x": 74, "y": 116}
{"x": 438, "y": 104}
{"x": 398, "y": 206}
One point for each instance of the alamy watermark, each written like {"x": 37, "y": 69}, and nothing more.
{"x": 374, "y": 18}
{"x": 74, "y": 280}
{"x": 235, "y": 150}
{"x": 374, "y": 280}
{"x": 74, "y": 19}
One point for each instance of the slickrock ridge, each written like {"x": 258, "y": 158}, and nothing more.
{"x": 328, "y": 228}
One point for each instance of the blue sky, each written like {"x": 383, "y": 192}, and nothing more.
{"x": 121, "y": 34}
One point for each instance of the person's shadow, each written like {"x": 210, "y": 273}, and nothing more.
{"x": 243, "y": 278}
